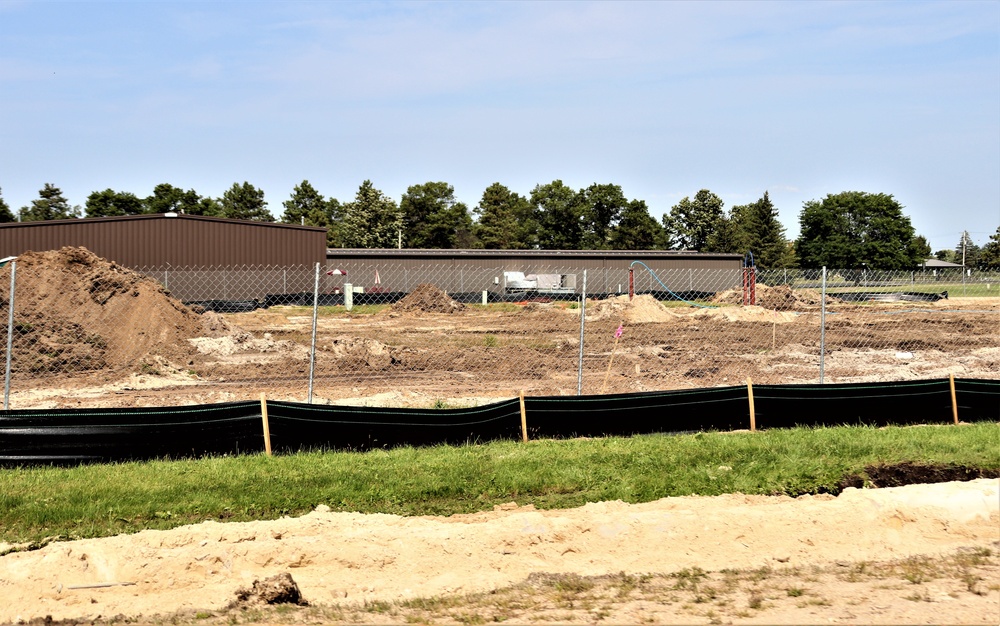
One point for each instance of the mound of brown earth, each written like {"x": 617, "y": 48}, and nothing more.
{"x": 639, "y": 310}
{"x": 427, "y": 298}
{"x": 77, "y": 312}
{"x": 779, "y": 297}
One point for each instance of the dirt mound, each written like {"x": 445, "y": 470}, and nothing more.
{"x": 355, "y": 352}
{"x": 427, "y": 298}
{"x": 641, "y": 309}
{"x": 77, "y": 312}
{"x": 778, "y": 298}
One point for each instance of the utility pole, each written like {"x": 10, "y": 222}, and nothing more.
{"x": 965, "y": 242}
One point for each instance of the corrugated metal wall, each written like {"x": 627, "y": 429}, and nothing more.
{"x": 482, "y": 270}
{"x": 145, "y": 241}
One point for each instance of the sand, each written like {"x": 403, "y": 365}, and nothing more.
{"x": 348, "y": 559}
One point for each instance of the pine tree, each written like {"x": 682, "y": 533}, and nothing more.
{"x": 50, "y": 205}
{"x": 245, "y": 202}
{"x": 5, "y": 213}
{"x": 506, "y": 220}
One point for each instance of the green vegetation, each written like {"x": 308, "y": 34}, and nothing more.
{"x": 102, "y": 500}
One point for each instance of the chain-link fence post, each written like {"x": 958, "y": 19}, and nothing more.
{"x": 822, "y": 326}
{"x": 312, "y": 350}
{"x": 583, "y": 323}
{"x": 10, "y": 336}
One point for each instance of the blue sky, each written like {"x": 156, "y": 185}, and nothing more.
{"x": 663, "y": 98}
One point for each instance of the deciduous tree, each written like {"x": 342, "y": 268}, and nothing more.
{"x": 245, "y": 202}
{"x": 601, "y": 208}
{"x": 372, "y": 220}
{"x": 856, "y": 229}
{"x": 432, "y": 218}
{"x": 559, "y": 212}
{"x": 690, "y": 223}
{"x": 637, "y": 229}
{"x": 50, "y": 205}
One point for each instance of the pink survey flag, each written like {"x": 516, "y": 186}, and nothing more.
{"x": 618, "y": 333}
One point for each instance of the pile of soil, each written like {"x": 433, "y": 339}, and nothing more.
{"x": 777, "y": 298}
{"x": 641, "y": 309}
{"x": 427, "y": 298}
{"x": 355, "y": 352}
{"x": 76, "y": 312}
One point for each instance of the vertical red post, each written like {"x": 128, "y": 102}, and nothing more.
{"x": 631, "y": 283}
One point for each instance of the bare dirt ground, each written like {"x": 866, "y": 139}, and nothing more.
{"x": 91, "y": 333}
{"x": 905, "y": 555}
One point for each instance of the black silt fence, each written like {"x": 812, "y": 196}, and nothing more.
{"x": 74, "y": 436}
{"x": 720, "y": 408}
{"x": 296, "y": 426}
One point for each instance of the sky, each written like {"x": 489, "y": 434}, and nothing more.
{"x": 799, "y": 99}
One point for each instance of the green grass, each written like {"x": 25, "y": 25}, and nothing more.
{"x": 102, "y": 500}
{"x": 956, "y": 289}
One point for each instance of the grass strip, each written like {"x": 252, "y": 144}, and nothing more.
{"x": 103, "y": 500}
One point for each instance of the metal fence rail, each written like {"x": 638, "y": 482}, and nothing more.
{"x": 85, "y": 332}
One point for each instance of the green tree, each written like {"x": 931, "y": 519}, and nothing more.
{"x": 559, "y": 213}
{"x": 50, "y": 205}
{"x": 921, "y": 247}
{"x": 754, "y": 228}
{"x": 637, "y": 229}
{"x": 432, "y": 218}
{"x": 853, "y": 229}
{"x": 166, "y": 199}
{"x": 989, "y": 255}
{"x": 506, "y": 220}
{"x": 335, "y": 211}
{"x": 690, "y": 223}
{"x": 307, "y": 206}
{"x": 967, "y": 252}
{"x": 245, "y": 202}
{"x": 946, "y": 255}
{"x": 5, "y": 213}
{"x": 372, "y": 220}
{"x": 109, "y": 202}
{"x": 601, "y": 209}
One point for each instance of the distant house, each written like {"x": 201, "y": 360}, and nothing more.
{"x": 938, "y": 264}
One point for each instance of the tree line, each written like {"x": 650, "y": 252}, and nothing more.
{"x": 846, "y": 230}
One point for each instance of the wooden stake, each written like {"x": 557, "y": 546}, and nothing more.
{"x": 524, "y": 421}
{"x": 753, "y": 414}
{"x": 267, "y": 429}
{"x": 774, "y": 330}
{"x": 954, "y": 400}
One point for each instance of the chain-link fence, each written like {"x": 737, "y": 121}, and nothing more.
{"x": 86, "y": 332}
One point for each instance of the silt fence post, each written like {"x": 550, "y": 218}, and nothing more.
{"x": 583, "y": 322}
{"x": 822, "y": 327}
{"x": 10, "y": 336}
{"x": 312, "y": 349}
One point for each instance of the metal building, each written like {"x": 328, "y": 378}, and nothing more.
{"x": 167, "y": 239}
{"x": 474, "y": 271}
